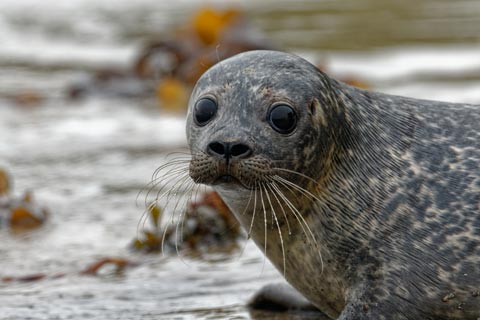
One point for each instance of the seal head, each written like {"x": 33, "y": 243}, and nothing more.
{"x": 259, "y": 120}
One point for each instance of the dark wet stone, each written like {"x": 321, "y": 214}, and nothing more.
{"x": 280, "y": 297}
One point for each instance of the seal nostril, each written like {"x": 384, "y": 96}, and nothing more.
{"x": 239, "y": 149}
{"x": 228, "y": 150}
{"x": 217, "y": 147}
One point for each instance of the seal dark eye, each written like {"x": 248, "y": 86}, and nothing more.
{"x": 282, "y": 118}
{"x": 204, "y": 110}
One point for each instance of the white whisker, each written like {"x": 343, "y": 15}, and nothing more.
{"x": 297, "y": 187}
{"x": 303, "y": 224}
{"x": 279, "y": 231}
{"x": 265, "y": 227}
{"x": 298, "y": 174}
{"x": 281, "y": 207}
{"x": 243, "y": 213}
{"x": 254, "y": 211}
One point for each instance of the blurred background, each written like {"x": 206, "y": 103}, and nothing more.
{"x": 92, "y": 99}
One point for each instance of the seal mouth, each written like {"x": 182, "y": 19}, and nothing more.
{"x": 226, "y": 179}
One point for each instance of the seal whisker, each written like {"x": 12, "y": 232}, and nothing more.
{"x": 199, "y": 186}
{"x": 169, "y": 193}
{"x": 154, "y": 181}
{"x": 253, "y": 193}
{"x": 183, "y": 153}
{"x": 279, "y": 229}
{"x": 180, "y": 182}
{"x": 174, "y": 176}
{"x": 298, "y": 174}
{"x": 143, "y": 218}
{"x": 181, "y": 220}
{"x": 169, "y": 176}
{"x": 274, "y": 193}
{"x": 301, "y": 222}
{"x": 175, "y": 189}
{"x": 166, "y": 177}
{"x": 265, "y": 224}
{"x": 170, "y": 172}
{"x": 295, "y": 210}
{"x": 188, "y": 185}
{"x": 186, "y": 182}
{"x": 191, "y": 185}
{"x": 248, "y": 202}
{"x": 254, "y": 211}
{"x": 170, "y": 163}
{"x": 290, "y": 206}
{"x": 295, "y": 186}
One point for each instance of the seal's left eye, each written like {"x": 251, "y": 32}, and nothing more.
{"x": 282, "y": 118}
{"x": 204, "y": 110}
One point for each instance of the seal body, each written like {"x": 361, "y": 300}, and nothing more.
{"x": 369, "y": 206}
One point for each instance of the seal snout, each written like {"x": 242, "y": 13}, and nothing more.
{"x": 230, "y": 163}
{"x": 229, "y": 150}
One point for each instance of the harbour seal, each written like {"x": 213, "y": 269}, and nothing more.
{"x": 367, "y": 203}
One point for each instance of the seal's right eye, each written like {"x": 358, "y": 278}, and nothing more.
{"x": 204, "y": 110}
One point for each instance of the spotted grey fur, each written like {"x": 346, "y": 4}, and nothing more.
{"x": 394, "y": 196}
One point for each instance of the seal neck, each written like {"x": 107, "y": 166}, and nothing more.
{"x": 365, "y": 167}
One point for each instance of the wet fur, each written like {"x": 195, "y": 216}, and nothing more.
{"x": 370, "y": 208}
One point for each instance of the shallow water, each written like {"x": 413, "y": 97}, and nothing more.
{"x": 87, "y": 160}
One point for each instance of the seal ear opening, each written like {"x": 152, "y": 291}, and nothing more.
{"x": 312, "y": 107}
{"x": 317, "y": 112}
